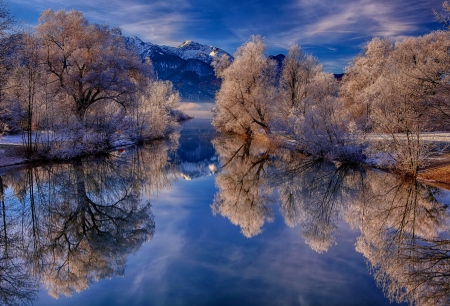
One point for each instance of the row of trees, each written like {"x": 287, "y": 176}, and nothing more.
{"x": 74, "y": 87}
{"x": 390, "y": 95}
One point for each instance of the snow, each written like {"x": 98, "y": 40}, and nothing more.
{"x": 187, "y": 50}
{"x": 429, "y": 136}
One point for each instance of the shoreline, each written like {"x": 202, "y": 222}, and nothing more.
{"x": 12, "y": 155}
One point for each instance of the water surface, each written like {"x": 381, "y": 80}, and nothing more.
{"x": 209, "y": 220}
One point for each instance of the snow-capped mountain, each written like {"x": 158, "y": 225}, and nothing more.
{"x": 187, "y": 66}
{"x": 192, "y": 50}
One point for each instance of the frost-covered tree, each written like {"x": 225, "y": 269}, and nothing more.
{"x": 299, "y": 69}
{"x": 360, "y": 79}
{"x": 7, "y": 23}
{"x": 152, "y": 111}
{"x": 76, "y": 88}
{"x": 88, "y": 62}
{"x": 23, "y": 93}
{"x": 245, "y": 99}
{"x": 444, "y": 17}
{"x": 308, "y": 109}
{"x": 409, "y": 98}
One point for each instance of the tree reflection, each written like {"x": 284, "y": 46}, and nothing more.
{"x": 404, "y": 237}
{"x": 254, "y": 178}
{"x": 244, "y": 195}
{"x": 74, "y": 223}
{"x": 16, "y": 287}
{"x": 404, "y": 229}
{"x": 313, "y": 193}
{"x": 94, "y": 221}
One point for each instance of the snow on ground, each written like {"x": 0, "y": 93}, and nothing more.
{"x": 430, "y": 136}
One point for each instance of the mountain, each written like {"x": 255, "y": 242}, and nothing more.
{"x": 187, "y": 66}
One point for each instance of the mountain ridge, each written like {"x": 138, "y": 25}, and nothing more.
{"x": 188, "y": 66}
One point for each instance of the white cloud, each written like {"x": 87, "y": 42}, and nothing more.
{"x": 228, "y": 24}
{"x": 320, "y": 21}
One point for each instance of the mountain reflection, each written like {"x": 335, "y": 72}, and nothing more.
{"x": 404, "y": 228}
{"x": 73, "y": 223}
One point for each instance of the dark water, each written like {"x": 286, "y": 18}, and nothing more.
{"x": 208, "y": 220}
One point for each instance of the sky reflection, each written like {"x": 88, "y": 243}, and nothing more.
{"x": 197, "y": 258}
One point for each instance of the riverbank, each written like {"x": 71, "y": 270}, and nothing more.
{"x": 12, "y": 151}
{"x": 437, "y": 172}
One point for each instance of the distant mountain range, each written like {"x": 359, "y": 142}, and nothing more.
{"x": 187, "y": 66}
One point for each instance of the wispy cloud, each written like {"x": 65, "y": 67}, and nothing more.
{"x": 313, "y": 24}
{"x": 345, "y": 20}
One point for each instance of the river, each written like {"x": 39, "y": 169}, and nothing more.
{"x": 203, "y": 219}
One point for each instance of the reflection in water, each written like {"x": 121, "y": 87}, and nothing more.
{"x": 70, "y": 224}
{"x": 245, "y": 197}
{"x": 404, "y": 229}
{"x": 404, "y": 237}
{"x": 16, "y": 285}
{"x": 308, "y": 192}
{"x": 196, "y": 156}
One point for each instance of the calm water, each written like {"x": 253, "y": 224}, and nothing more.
{"x": 208, "y": 220}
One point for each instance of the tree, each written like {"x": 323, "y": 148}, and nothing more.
{"x": 360, "y": 78}
{"x": 444, "y": 17}
{"x": 408, "y": 99}
{"x": 246, "y": 97}
{"x": 299, "y": 69}
{"x": 7, "y": 23}
{"x": 152, "y": 110}
{"x": 23, "y": 93}
{"x": 88, "y": 62}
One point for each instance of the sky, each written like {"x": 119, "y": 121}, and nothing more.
{"x": 333, "y": 31}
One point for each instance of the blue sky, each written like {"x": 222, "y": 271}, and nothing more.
{"x": 334, "y": 31}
